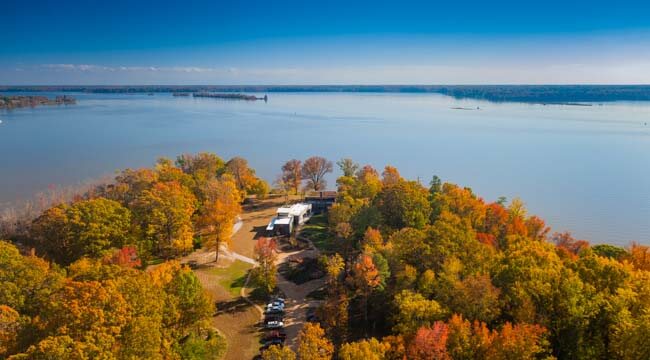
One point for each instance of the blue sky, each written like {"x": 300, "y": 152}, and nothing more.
{"x": 324, "y": 42}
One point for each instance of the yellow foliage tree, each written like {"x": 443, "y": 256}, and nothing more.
{"x": 165, "y": 215}
{"x": 370, "y": 349}
{"x": 312, "y": 343}
{"x": 277, "y": 352}
{"x": 218, "y": 215}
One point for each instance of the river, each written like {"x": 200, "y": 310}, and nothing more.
{"x": 584, "y": 169}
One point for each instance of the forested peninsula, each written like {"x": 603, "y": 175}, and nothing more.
{"x": 407, "y": 271}
{"x": 12, "y": 102}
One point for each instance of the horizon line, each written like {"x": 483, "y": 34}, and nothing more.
{"x": 306, "y": 85}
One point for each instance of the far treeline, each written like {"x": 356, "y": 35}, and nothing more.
{"x": 543, "y": 94}
{"x": 436, "y": 272}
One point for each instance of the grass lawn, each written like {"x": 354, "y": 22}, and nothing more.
{"x": 156, "y": 261}
{"x": 233, "y": 277}
{"x": 316, "y": 230}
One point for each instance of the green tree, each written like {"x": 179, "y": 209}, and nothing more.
{"x": 415, "y": 311}
{"x": 348, "y": 167}
{"x": 404, "y": 204}
{"x": 630, "y": 337}
{"x": 211, "y": 346}
{"x": 610, "y": 251}
{"x": 190, "y": 302}
{"x": 25, "y": 281}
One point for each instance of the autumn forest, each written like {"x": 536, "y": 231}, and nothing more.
{"x": 411, "y": 271}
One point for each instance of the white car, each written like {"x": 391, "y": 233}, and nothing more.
{"x": 274, "y": 324}
{"x": 274, "y": 310}
{"x": 275, "y": 305}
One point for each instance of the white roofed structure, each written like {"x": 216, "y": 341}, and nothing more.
{"x": 288, "y": 216}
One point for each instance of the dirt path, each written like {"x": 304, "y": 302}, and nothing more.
{"x": 295, "y": 296}
{"x": 254, "y": 221}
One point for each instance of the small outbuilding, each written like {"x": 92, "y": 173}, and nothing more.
{"x": 321, "y": 201}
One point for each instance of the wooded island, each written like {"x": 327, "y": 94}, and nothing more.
{"x": 12, "y": 102}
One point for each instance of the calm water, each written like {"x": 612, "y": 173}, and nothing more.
{"x": 583, "y": 169}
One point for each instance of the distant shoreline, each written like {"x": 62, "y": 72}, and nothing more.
{"x": 538, "y": 94}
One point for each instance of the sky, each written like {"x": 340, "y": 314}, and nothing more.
{"x": 324, "y": 42}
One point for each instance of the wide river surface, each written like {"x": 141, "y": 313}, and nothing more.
{"x": 585, "y": 169}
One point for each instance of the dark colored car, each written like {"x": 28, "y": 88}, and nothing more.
{"x": 272, "y": 342}
{"x": 275, "y": 334}
{"x": 311, "y": 315}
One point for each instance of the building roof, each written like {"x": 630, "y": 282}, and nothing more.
{"x": 294, "y": 210}
{"x": 321, "y": 195}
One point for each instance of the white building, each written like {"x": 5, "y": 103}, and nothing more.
{"x": 287, "y": 217}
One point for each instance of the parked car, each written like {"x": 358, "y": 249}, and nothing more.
{"x": 275, "y": 304}
{"x": 272, "y": 342}
{"x": 311, "y": 315}
{"x": 275, "y": 334}
{"x": 272, "y": 317}
{"x": 274, "y": 311}
{"x": 274, "y": 324}
{"x": 193, "y": 264}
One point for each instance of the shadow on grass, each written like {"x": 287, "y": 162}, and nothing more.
{"x": 233, "y": 306}
{"x": 318, "y": 294}
{"x": 258, "y": 295}
{"x": 305, "y": 270}
{"x": 260, "y": 231}
{"x": 239, "y": 282}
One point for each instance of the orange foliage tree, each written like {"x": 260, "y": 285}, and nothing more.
{"x": 430, "y": 343}
{"x": 365, "y": 278}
